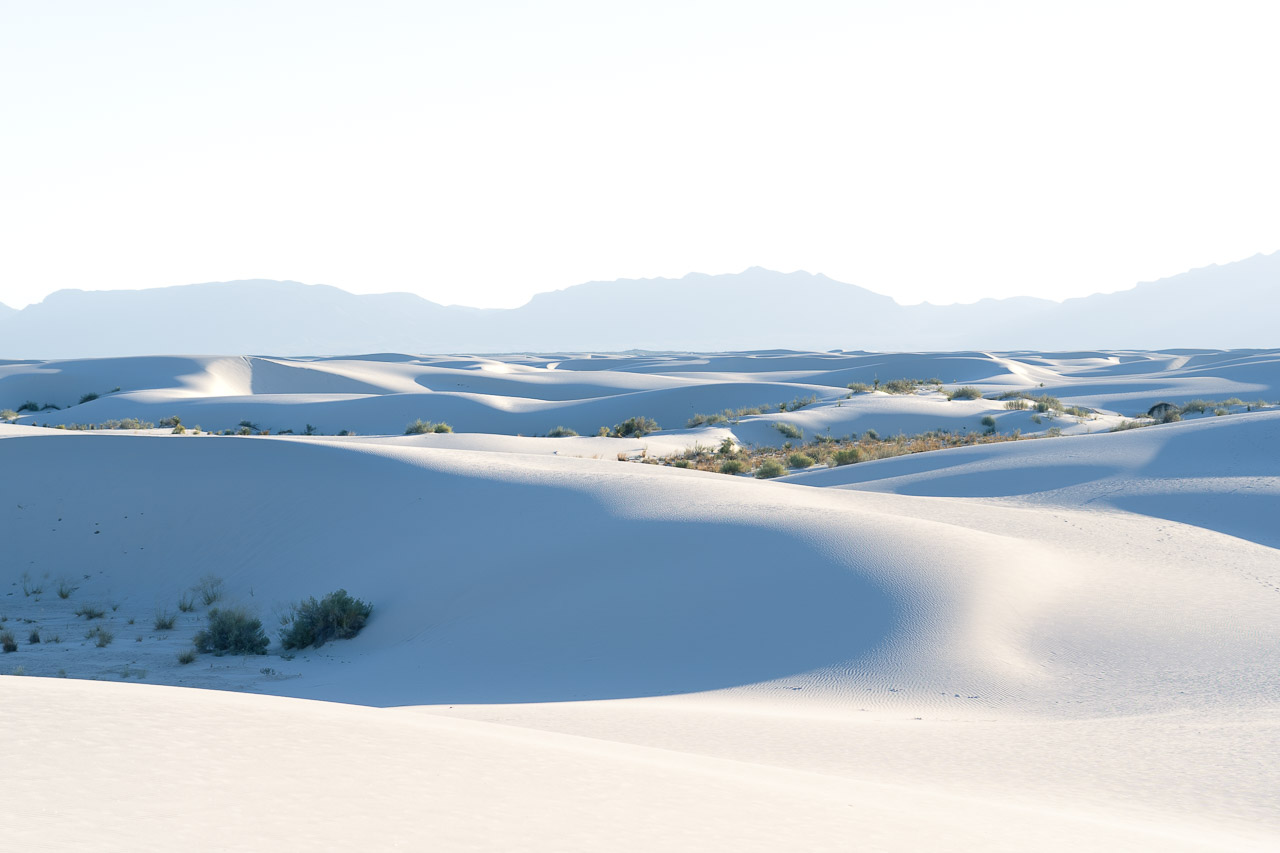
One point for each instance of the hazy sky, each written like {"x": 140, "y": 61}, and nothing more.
{"x": 477, "y": 153}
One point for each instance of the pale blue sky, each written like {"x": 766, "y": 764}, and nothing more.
{"x": 477, "y": 153}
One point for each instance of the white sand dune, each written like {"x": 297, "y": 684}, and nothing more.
{"x": 1057, "y": 644}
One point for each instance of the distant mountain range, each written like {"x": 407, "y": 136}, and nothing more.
{"x": 1234, "y": 305}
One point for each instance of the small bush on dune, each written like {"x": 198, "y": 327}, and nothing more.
{"x": 90, "y": 611}
{"x": 787, "y": 430}
{"x": 209, "y": 589}
{"x": 848, "y": 456}
{"x": 187, "y": 656}
{"x": 1017, "y": 404}
{"x": 799, "y": 460}
{"x": 859, "y": 387}
{"x": 232, "y": 631}
{"x": 337, "y": 616}
{"x": 731, "y": 466}
{"x": 636, "y": 427}
{"x": 421, "y": 427}
{"x": 968, "y": 392}
{"x": 100, "y": 635}
{"x": 7, "y": 642}
{"x": 87, "y": 398}
{"x": 186, "y": 603}
{"x": 8, "y": 415}
{"x": 990, "y": 423}
{"x": 561, "y": 432}
{"x": 901, "y": 386}
{"x": 769, "y": 469}
{"x": 34, "y": 637}
{"x": 165, "y": 620}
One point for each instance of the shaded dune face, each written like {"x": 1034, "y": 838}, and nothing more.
{"x": 498, "y": 585}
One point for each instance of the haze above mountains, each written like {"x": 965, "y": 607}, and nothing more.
{"x": 1223, "y": 306}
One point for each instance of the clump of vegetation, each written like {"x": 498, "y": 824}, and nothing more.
{"x": 171, "y": 421}
{"x": 847, "y": 456}
{"x": 90, "y": 611}
{"x": 798, "y": 403}
{"x": 187, "y": 656}
{"x": 186, "y": 603}
{"x": 31, "y": 587}
{"x": 561, "y": 432}
{"x": 87, "y": 398}
{"x": 34, "y": 637}
{"x": 100, "y": 635}
{"x": 8, "y": 415}
{"x": 787, "y": 430}
{"x": 337, "y": 616}
{"x": 769, "y": 469}
{"x": 859, "y": 387}
{"x": 731, "y": 466}
{"x": 968, "y": 392}
{"x": 902, "y": 386}
{"x": 209, "y": 588}
{"x": 636, "y": 427}
{"x": 799, "y": 460}
{"x": 179, "y": 430}
{"x": 421, "y": 427}
{"x": 232, "y": 631}
{"x": 7, "y": 642}
{"x": 29, "y": 406}
{"x": 990, "y": 423}
{"x": 1046, "y": 404}
{"x": 1017, "y": 404}
{"x": 165, "y": 620}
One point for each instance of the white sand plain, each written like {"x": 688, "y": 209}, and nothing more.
{"x": 1061, "y": 644}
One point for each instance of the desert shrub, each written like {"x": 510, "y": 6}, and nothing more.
{"x": 186, "y": 603}
{"x": 871, "y": 435}
{"x": 787, "y": 430}
{"x": 29, "y": 406}
{"x": 34, "y": 637}
{"x": 727, "y": 447}
{"x": 1017, "y": 404}
{"x": 90, "y": 611}
{"x": 561, "y": 432}
{"x": 31, "y": 587}
{"x": 179, "y": 430}
{"x": 769, "y": 469}
{"x": 968, "y": 392}
{"x": 859, "y": 387}
{"x": 209, "y": 588}
{"x": 799, "y": 460}
{"x": 8, "y": 415}
{"x": 171, "y": 421}
{"x": 421, "y": 427}
{"x": 187, "y": 656}
{"x": 7, "y": 642}
{"x": 1171, "y": 416}
{"x": 165, "y": 620}
{"x": 680, "y": 463}
{"x": 1045, "y": 403}
{"x": 337, "y": 616}
{"x": 798, "y": 403}
{"x": 1053, "y": 432}
{"x": 100, "y": 635}
{"x": 636, "y": 427}
{"x": 847, "y": 456}
{"x": 731, "y": 466}
{"x": 88, "y": 398}
{"x": 990, "y": 423}
{"x": 232, "y": 631}
{"x": 1077, "y": 411}
{"x": 901, "y": 386}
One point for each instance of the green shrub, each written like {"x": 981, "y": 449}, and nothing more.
{"x": 179, "y": 430}
{"x": 968, "y": 392}
{"x": 88, "y": 398}
{"x": 421, "y": 427}
{"x": 232, "y": 631}
{"x": 209, "y": 588}
{"x": 636, "y": 427}
{"x": 731, "y": 466}
{"x": 901, "y": 386}
{"x": 90, "y": 611}
{"x": 769, "y": 469}
{"x": 187, "y": 656}
{"x": 787, "y": 430}
{"x": 337, "y": 616}
{"x": 990, "y": 423}
{"x": 7, "y": 642}
{"x": 165, "y": 620}
{"x": 8, "y": 415}
{"x": 859, "y": 387}
{"x": 871, "y": 435}
{"x": 34, "y": 637}
{"x": 799, "y": 460}
{"x": 171, "y": 421}
{"x": 561, "y": 432}
{"x": 1017, "y": 404}
{"x": 847, "y": 456}
{"x": 186, "y": 603}
{"x": 1045, "y": 403}
{"x": 100, "y": 635}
